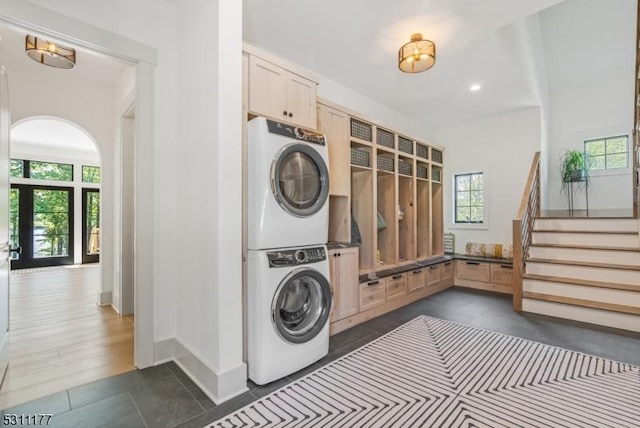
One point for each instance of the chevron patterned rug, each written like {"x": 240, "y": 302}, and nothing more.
{"x": 435, "y": 373}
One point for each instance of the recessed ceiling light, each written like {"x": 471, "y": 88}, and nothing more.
{"x": 475, "y": 87}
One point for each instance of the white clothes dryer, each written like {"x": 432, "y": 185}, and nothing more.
{"x": 289, "y": 301}
{"x": 288, "y": 186}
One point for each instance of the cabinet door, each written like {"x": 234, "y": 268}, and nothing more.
{"x": 267, "y": 89}
{"x": 301, "y": 101}
{"x": 335, "y": 125}
{"x": 432, "y": 274}
{"x": 343, "y": 267}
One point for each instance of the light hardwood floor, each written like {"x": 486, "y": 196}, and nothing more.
{"x": 60, "y": 338}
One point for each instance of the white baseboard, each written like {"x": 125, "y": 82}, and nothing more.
{"x": 219, "y": 387}
{"x": 104, "y": 298}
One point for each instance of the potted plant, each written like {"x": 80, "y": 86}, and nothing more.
{"x": 573, "y": 167}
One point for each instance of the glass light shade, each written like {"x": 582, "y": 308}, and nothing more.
{"x": 417, "y": 55}
{"x": 50, "y": 54}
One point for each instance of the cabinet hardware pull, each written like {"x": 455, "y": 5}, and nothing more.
{"x": 373, "y": 283}
{"x": 397, "y": 276}
{"x": 433, "y": 267}
{"x": 284, "y": 112}
{"x": 417, "y": 271}
{"x": 506, "y": 266}
{"x": 290, "y": 114}
{"x": 473, "y": 263}
{"x": 447, "y": 263}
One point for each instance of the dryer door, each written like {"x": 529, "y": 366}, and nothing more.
{"x": 300, "y": 179}
{"x": 301, "y": 305}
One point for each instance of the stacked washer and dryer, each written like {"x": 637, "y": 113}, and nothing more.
{"x": 288, "y": 292}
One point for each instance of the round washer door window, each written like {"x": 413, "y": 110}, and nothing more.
{"x": 301, "y": 305}
{"x": 300, "y": 180}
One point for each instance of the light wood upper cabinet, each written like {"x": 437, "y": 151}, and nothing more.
{"x": 334, "y": 124}
{"x": 343, "y": 269}
{"x": 281, "y": 94}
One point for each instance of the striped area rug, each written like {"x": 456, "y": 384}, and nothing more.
{"x": 435, "y": 373}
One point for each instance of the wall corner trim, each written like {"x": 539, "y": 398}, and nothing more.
{"x": 218, "y": 386}
{"x": 104, "y": 298}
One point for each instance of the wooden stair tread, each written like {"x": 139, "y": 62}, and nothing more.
{"x": 585, "y": 218}
{"x": 585, "y": 264}
{"x": 581, "y": 302}
{"x": 594, "y": 232}
{"x": 586, "y": 247}
{"x": 585, "y": 282}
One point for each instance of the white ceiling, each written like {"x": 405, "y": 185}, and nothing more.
{"x": 51, "y": 136}
{"x": 356, "y": 43}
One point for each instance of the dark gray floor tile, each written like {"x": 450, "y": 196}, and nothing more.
{"x": 52, "y": 404}
{"x": 218, "y": 411}
{"x": 332, "y": 356}
{"x": 115, "y": 411}
{"x": 182, "y": 376}
{"x": 383, "y": 324}
{"x": 114, "y": 385}
{"x": 346, "y": 337}
{"x": 165, "y": 402}
{"x": 203, "y": 400}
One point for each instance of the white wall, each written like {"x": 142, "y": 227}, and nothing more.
{"x": 501, "y": 146}
{"x": 587, "y": 112}
{"x": 37, "y": 92}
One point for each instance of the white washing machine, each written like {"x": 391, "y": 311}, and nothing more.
{"x": 288, "y": 186}
{"x": 289, "y": 301}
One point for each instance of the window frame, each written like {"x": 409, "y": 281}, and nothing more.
{"x": 605, "y": 170}
{"x": 454, "y": 224}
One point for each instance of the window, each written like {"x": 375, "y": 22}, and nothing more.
{"x": 469, "y": 198}
{"x": 17, "y": 168}
{"x": 607, "y": 153}
{"x": 90, "y": 174}
{"x": 51, "y": 171}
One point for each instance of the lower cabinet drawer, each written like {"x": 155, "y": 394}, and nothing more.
{"x": 502, "y": 274}
{"x": 446, "y": 270}
{"x": 415, "y": 280}
{"x": 432, "y": 274}
{"x": 372, "y": 294}
{"x": 396, "y": 286}
{"x": 474, "y": 271}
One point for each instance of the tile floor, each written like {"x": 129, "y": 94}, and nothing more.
{"x": 163, "y": 396}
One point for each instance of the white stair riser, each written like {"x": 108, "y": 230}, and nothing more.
{"x": 583, "y": 292}
{"x": 577, "y": 313}
{"x": 591, "y": 224}
{"x": 587, "y": 239}
{"x": 627, "y": 258}
{"x": 617, "y": 276}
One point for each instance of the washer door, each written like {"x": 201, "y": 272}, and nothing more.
{"x": 299, "y": 180}
{"x": 301, "y": 305}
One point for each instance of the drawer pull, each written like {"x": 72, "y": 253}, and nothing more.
{"x": 372, "y": 283}
{"x": 415, "y": 272}
{"x": 397, "y": 276}
{"x": 433, "y": 267}
{"x": 506, "y": 266}
{"x": 474, "y": 263}
{"x": 447, "y": 264}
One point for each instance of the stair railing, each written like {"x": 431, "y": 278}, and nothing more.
{"x": 523, "y": 226}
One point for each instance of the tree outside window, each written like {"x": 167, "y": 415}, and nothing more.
{"x": 469, "y": 198}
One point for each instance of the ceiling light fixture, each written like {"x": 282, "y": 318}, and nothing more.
{"x": 475, "y": 87}
{"x": 50, "y": 54}
{"x": 417, "y": 55}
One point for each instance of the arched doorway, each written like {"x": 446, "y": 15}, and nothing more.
{"x": 55, "y": 194}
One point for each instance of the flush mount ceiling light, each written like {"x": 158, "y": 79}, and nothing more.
{"x": 50, "y": 54}
{"x": 417, "y": 55}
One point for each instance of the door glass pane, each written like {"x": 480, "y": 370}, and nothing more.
{"x": 300, "y": 180}
{"x": 93, "y": 223}
{"x": 50, "y": 223}
{"x": 17, "y": 168}
{"x": 14, "y": 222}
{"x": 301, "y": 305}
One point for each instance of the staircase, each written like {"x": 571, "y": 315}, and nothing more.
{"x": 584, "y": 269}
